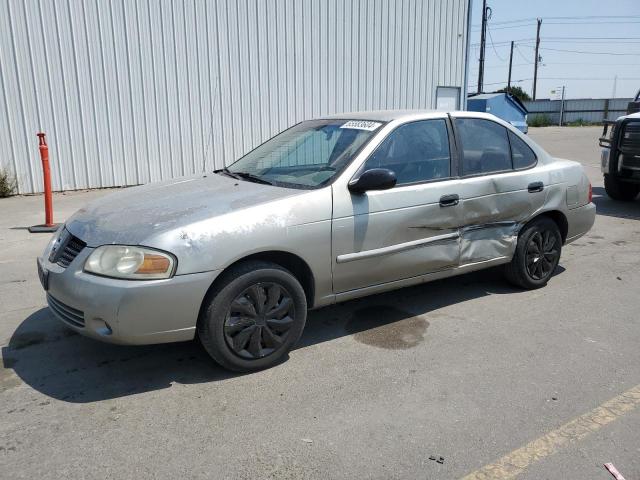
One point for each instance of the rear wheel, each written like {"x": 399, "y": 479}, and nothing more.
{"x": 537, "y": 254}
{"x": 254, "y": 317}
{"x": 618, "y": 190}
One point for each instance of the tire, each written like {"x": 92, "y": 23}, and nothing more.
{"x": 253, "y": 317}
{"x": 527, "y": 268}
{"x": 621, "y": 191}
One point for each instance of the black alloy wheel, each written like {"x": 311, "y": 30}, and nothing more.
{"x": 542, "y": 254}
{"x": 536, "y": 255}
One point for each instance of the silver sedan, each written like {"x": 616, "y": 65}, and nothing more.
{"x": 329, "y": 210}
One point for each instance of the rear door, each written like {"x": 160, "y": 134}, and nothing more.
{"x": 409, "y": 230}
{"x": 500, "y": 188}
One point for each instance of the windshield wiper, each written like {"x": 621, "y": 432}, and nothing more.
{"x": 228, "y": 173}
{"x": 251, "y": 177}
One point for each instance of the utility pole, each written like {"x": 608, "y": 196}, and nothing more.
{"x": 615, "y": 84}
{"x": 483, "y": 34}
{"x": 510, "y": 64}
{"x": 535, "y": 67}
{"x": 561, "y": 107}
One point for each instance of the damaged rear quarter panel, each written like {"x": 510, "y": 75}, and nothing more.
{"x": 497, "y": 207}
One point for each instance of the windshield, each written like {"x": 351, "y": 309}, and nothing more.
{"x": 307, "y": 155}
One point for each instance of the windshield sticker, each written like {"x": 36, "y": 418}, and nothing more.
{"x": 361, "y": 125}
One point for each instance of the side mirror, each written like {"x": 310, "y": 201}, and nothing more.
{"x": 374, "y": 179}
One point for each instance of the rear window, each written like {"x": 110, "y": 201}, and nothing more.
{"x": 521, "y": 153}
{"x": 485, "y": 146}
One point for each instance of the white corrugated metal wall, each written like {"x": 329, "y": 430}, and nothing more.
{"x": 132, "y": 91}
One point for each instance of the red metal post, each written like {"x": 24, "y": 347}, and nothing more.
{"x": 46, "y": 171}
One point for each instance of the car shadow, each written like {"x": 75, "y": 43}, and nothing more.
{"x": 66, "y": 366}
{"x": 612, "y": 208}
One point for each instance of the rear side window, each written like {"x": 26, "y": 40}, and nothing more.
{"x": 485, "y": 146}
{"x": 522, "y": 155}
{"x": 415, "y": 152}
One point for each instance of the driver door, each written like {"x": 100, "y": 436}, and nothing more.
{"x": 406, "y": 231}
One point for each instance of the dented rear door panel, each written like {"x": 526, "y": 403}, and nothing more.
{"x": 494, "y": 208}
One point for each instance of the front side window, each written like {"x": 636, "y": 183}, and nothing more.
{"x": 307, "y": 155}
{"x": 415, "y": 152}
{"x": 521, "y": 153}
{"x": 485, "y": 147}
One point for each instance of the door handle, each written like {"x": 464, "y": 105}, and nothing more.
{"x": 449, "y": 200}
{"x": 535, "y": 187}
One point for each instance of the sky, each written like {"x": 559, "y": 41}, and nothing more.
{"x": 607, "y": 30}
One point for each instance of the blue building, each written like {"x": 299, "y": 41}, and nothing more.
{"x": 502, "y": 105}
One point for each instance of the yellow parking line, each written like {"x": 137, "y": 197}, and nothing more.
{"x": 514, "y": 463}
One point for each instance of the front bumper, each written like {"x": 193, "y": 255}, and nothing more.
{"x": 132, "y": 312}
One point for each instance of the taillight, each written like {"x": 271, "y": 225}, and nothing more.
{"x": 590, "y": 192}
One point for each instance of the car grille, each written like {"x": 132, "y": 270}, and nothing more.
{"x": 629, "y": 161}
{"x": 631, "y": 137}
{"x": 65, "y": 312}
{"x": 66, "y": 249}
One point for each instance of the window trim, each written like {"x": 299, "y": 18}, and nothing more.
{"x": 496, "y": 172}
{"x": 453, "y": 154}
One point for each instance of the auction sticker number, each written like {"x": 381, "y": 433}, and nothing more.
{"x": 361, "y": 125}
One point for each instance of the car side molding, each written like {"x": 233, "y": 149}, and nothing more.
{"x": 400, "y": 247}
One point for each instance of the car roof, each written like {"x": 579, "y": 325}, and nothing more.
{"x": 402, "y": 116}
{"x": 384, "y": 115}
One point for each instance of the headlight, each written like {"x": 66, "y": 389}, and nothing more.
{"x": 136, "y": 263}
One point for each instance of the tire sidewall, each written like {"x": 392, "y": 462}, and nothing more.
{"x": 539, "y": 225}
{"x": 215, "y": 315}
{"x": 621, "y": 191}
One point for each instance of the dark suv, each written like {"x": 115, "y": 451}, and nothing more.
{"x": 620, "y": 158}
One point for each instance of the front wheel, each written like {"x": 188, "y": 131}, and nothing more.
{"x": 537, "y": 254}
{"x": 254, "y": 317}
{"x": 621, "y": 191}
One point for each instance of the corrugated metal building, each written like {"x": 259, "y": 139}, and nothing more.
{"x": 133, "y": 91}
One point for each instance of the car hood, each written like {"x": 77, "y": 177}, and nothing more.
{"x": 135, "y": 214}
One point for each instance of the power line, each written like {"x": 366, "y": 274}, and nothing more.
{"x": 591, "y": 63}
{"x": 502, "y": 66}
{"x": 493, "y": 46}
{"x": 561, "y": 78}
{"x": 594, "y": 42}
{"x": 606, "y": 40}
{"x": 586, "y": 17}
{"x": 593, "y": 23}
{"x": 591, "y": 38}
{"x": 502, "y": 83}
{"x": 528, "y": 24}
{"x": 586, "y": 78}
{"x": 473, "y": 67}
{"x": 508, "y": 26}
{"x": 590, "y": 53}
{"x": 509, "y": 41}
{"x": 522, "y": 54}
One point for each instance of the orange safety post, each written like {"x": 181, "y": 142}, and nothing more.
{"x": 48, "y": 225}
